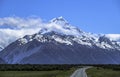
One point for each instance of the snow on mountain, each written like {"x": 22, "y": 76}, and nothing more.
{"x": 60, "y": 20}
{"x": 56, "y": 48}
{"x": 58, "y": 42}
{"x": 59, "y": 26}
{"x": 13, "y": 28}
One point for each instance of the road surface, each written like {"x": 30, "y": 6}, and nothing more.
{"x": 80, "y": 72}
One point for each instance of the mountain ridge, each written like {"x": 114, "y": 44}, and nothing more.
{"x": 62, "y": 43}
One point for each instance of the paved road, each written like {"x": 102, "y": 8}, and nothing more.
{"x": 80, "y": 72}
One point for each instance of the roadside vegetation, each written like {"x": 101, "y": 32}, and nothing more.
{"x": 53, "y": 73}
{"x": 27, "y": 70}
{"x": 104, "y": 71}
{"x": 35, "y": 67}
{"x": 65, "y": 70}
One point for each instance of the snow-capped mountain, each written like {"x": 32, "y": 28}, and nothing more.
{"x": 61, "y": 43}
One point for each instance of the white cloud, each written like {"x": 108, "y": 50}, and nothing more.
{"x": 115, "y": 37}
{"x": 20, "y": 22}
{"x": 20, "y": 28}
{"x": 62, "y": 29}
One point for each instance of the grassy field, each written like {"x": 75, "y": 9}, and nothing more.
{"x": 101, "y": 72}
{"x": 54, "y": 73}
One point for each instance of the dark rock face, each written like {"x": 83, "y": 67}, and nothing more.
{"x": 105, "y": 39}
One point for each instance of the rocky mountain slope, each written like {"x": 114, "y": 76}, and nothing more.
{"x": 2, "y": 61}
{"x": 61, "y": 43}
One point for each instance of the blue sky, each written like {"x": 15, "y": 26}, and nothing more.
{"x": 96, "y": 16}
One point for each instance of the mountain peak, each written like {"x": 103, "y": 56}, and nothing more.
{"x": 59, "y": 20}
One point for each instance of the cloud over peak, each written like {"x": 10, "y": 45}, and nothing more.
{"x": 20, "y": 23}
{"x": 12, "y": 28}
